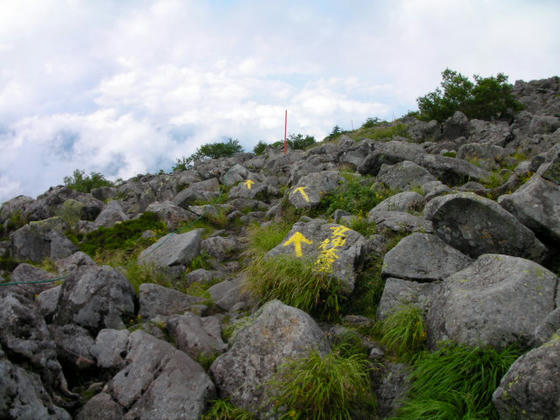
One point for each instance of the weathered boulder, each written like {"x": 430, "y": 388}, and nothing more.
{"x": 398, "y": 292}
{"x": 333, "y": 249}
{"x": 451, "y": 171}
{"x": 111, "y": 214}
{"x": 497, "y": 301}
{"x": 202, "y": 191}
{"x": 39, "y": 240}
{"x": 73, "y": 345}
{"x": 531, "y": 388}
{"x": 309, "y": 190}
{"x": 405, "y": 201}
{"x": 110, "y": 348}
{"x": 548, "y": 327}
{"x": 14, "y": 208}
{"x": 23, "y": 396}
{"x": 195, "y": 335}
{"x": 170, "y": 213}
{"x": 160, "y": 382}
{"x": 456, "y": 126}
{"x": 423, "y": 257}
{"x": 95, "y": 297}
{"x": 389, "y": 153}
{"x": 219, "y": 247}
{"x": 392, "y": 389}
{"x": 159, "y": 300}
{"x": 235, "y": 174}
{"x": 71, "y": 263}
{"x": 251, "y": 188}
{"x": 25, "y": 273}
{"x": 400, "y": 221}
{"x": 101, "y": 407}
{"x": 47, "y": 301}
{"x": 173, "y": 250}
{"x": 487, "y": 155}
{"x": 279, "y": 332}
{"x": 202, "y": 276}
{"x": 492, "y": 132}
{"x": 404, "y": 175}
{"x": 476, "y": 225}
{"x": 228, "y": 294}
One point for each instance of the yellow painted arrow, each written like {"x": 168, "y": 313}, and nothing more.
{"x": 297, "y": 239}
{"x": 301, "y": 190}
{"x": 249, "y": 183}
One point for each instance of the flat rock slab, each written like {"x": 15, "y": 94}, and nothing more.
{"x": 537, "y": 205}
{"x": 404, "y": 175}
{"x": 531, "y": 388}
{"x": 399, "y": 292}
{"x": 423, "y": 257}
{"x": 405, "y": 201}
{"x": 476, "y": 225}
{"x": 173, "y": 249}
{"x": 332, "y": 248}
{"x": 279, "y": 333}
{"x": 497, "y": 301}
{"x": 160, "y": 382}
{"x": 310, "y": 189}
{"x": 159, "y": 300}
{"x": 400, "y": 221}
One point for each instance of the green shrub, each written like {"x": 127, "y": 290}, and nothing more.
{"x": 263, "y": 238}
{"x": 293, "y": 281}
{"x": 298, "y": 141}
{"x": 456, "y": 382}
{"x": 81, "y": 182}
{"x": 125, "y": 235}
{"x": 372, "y": 122}
{"x": 138, "y": 274}
{"x": 404, "y": 331}
{"x": 450, "y": 154}
{"x": 210, "y": 151}
{"x": 488, "y": 97}
{"x": 323, "y": 386}
{"x": 259, "y": 148}
{"x": 361, "y": 225}
{"x": 225, "y": 410}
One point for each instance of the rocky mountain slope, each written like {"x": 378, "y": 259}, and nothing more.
{"x": 459, "y": 220}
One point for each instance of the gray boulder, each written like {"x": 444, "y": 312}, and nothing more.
{"x": 219, "y": 247}
{"x": 279, "y": 332}
{"x": 488, "y": 156}
{"x": 111, "y": 214}
{"x": 404, "y": 175}
{"x": 16, "y": 208}
{"x": 170, "y": 213}
{"x": 548, "y": 327}
{"x": 309, "y": 190}
{"x": 476, "y": 225}
{"x": 47, "y": 301}
{"x": 195, "y": 335}
{"x": 398, "y": 292}
{"x": 39, "y": 240}
{"x": 95, "y": 298}
{"x": 497, "y": 301}
{"x": 235, "y": 174}
{"x": 159, "y": 300}
{"x": 160, "y": 382}
{"x": 24, "y": 273}
{"x": 73, "y": 345}
{"x": 173, "y": 250}
{"x": 110, "y": 348}
{"x": 229, "y": 294}
{"x": 203, "y": 276}
{"x": 101, "y": 407}
{"x": 492, "y": 132}
{"x": 405, "y": 201}
{"x": 456, "y": 126}
{"x": 71, "y": 263}
{"x": 392, "y": 389}
{"x": 389, "y": 153}
{"x": 333, "y": 249}
{"x": 199, "y": 191}
{"x": 531, "y": 388}
{"x": 451, "y": 171}
{"x": 423, "y": 257}
{"x": 251, "y": 189}
{"x": 544, "y": 124}
{"x": 23, "y": 396}
{"x": 400, "y": 221}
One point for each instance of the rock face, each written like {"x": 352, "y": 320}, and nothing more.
{"x": 530, "y": 389}
{"x": 332, "y": 248}
{"x": 423, "y": 257}
{"x": 498, "y": 300}
{"x": 279, "y": 332}
{"x": 476, "y": 225}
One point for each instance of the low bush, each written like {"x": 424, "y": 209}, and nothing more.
{"x": 293, "y": 281}
{"x": 456, "y": 382}
{"x": 227, "y": 148}
{"x": 361, "y": 225}
{"x": 323, "y": 386}
{"x": 81, "y": 182}
{"x": 225, "y": 410}
{"x": 404, "y": 331}
{"x": 138, "y": 274}
{"x": 259, "y": 148}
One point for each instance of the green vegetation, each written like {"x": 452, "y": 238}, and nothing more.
{"x": 404, "y": 331}
{"x": 125, "y": 235}
{"x": 487, "y": 98}
{"x": 323, "y": 386}
{"x": 225, "y": 410}
{"x": 263, "y": 238}
{"x": 368, "y": 289}
{"x": 259, "y": 148}
{"x": 450, "y": 154}
{"x": 361, "y": 225}
{"x": 456, "y": 382}
{"x": 138, "y": 274}
{"x": 81, "y": 182}
{"x": 296, "y": 142}
{"x": 211, "y": 151}
{"x": 295, "y": 283}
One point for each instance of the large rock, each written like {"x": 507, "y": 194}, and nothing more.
{"x": 537, "y": 205}
{"x": 219, "y": 247}
{"x": 423, "y": 257}
{"x": 173, "y": 249}
{"x": 310, "y": 189}
{"x": 456, "y": 126}
{"x": 398, "y": 292}
{"x": 199, "y": 191}
{"x": 73, "y": 345}
{"x": 492, "y": 132}
{"x": 404, "y": 175}
{"x": 405, "y": 201}
{"x": 498, "y": 300}
{"x": 170, "y": 213}
{"x": 31, "y": 279}
{"x": 22, "y": 396}
{"x": 111, "y": 214}
{"x": 400, "y": 221}
{"x": 389, "y": 153}
{"x": 487, "y": 155}
{"x": 39, "y": 240}
{"x": 229, "y": 294}
{"x": 279, "y": 333}
{"x": 95, "y": 298}
{"x": 476, "y": 225}
{"x": 160, "y": 382}
{"x": 195, "y": 335}
{"x": 110, "y": 348}
{"x": 159, "y": 300}
{"x": 531, "y": 388}
{"x": 333, "y": 249}
{"x": 101, "y": 407}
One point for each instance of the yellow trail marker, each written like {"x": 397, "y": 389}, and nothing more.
{"x": 301, "y": 190}
{"x": 297, "y": 239}
{"x": 249, "y": 184}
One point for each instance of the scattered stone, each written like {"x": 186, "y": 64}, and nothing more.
{"x": 170, "y": 213}
{"x": 398, "y": 292}
{"x": 101, "y": 407}
{"x": 404, "y": 175}
{"x": 400, "y": 222}
{"x": 310, "y": 189}
{"x": 405, "y": 201}
{"x": 219, "y": 247}
{"x": 110, "y": 348}
{"x": 173, "y": 249}
{"x": 159, "y": 300}
{"x": 110, "y": 215}
{"x": 196, "y": 336}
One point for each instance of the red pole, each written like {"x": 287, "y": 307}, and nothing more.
{"x": 286, "y": 132}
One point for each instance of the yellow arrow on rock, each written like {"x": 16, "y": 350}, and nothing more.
{"x": 297, "y": 239}
{"x": 301, "y": 190}
{"x": 249, "y": 183}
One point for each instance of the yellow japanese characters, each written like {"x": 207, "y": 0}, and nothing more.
{"x": 329, "y": 248}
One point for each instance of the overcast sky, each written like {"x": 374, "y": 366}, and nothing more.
{"x": 124, "y": 87}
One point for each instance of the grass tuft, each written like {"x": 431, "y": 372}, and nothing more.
{"x": 225, "y": 410}
{"x": 404, "y": 331}
{"x": 263, "y": 238}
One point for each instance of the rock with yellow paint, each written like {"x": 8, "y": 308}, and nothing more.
{"x": 309, "y": 190}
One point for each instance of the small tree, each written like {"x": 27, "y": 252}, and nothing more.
{"x": 298, "y": 141}
{"x": 259, "y": 148}
{"x": 211, "y": 151}
{"x": 79, "y": 181}
{"x": 487, "y": 98}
